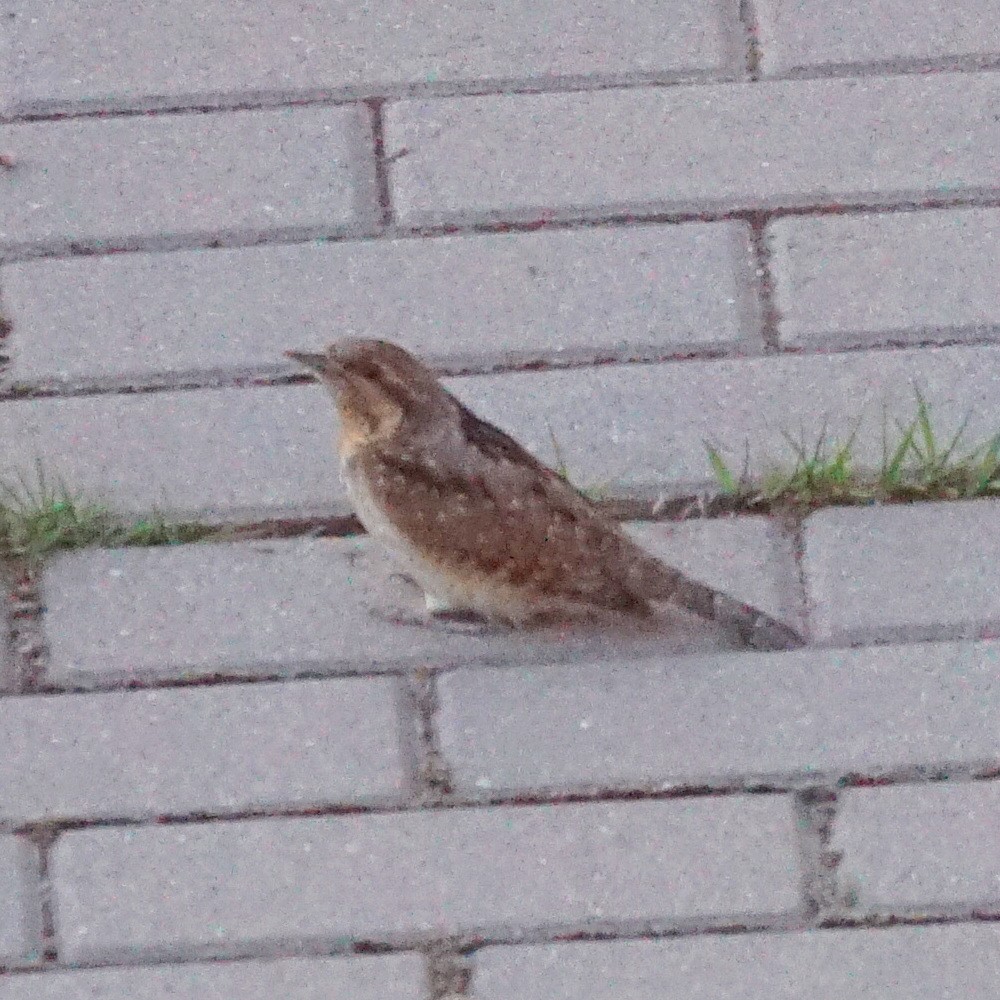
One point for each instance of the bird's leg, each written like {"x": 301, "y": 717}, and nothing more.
{"x": 452, "y": 623}
{"x": 444, "y": 610}
{"x": 437, "y": 605}
{"x": 457, "y": 619}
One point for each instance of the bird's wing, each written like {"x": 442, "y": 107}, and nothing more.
{"x": 487, "y": 503}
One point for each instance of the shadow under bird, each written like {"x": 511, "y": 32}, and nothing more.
{"x": 482, "y": 526}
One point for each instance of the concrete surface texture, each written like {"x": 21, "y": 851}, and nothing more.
{"x": 241, "y": 768}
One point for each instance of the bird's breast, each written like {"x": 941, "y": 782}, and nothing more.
{"x": 368, "y": 508}
{"x": 450, "y": 584}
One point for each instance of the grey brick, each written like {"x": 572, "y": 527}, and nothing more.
{"x": 515, "y": 296}
{"x": 798, "y": 142}
{"x": 111, "y": 53}
{"x": 836, "y": 33}
{"x": 738, "y": 717}
{"x": 639, "y": 429}
{"x": 911, "y": 847}
{"x": 20, "y": 906}
{"x": 198, "y": 888}
{"x": 899, "y": 963}
{"x": 387, "y": 977}
{"x": 925, "y": 571}
{"x": 6, "y": 73}
{"x": 271, "y": 608}
{"x": 260, "y": 746}
{"x": 216, "y": 454}
{"x": 125, "y": 181}
{"x": 870, "y": 279}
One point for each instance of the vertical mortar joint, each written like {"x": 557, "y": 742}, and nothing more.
{"x": 26, "y": 639}
{"x": 433, "y": 777}
{"x": 43, "y": 837}
{"x": 449, "y": 972}
{"x": 770, "y": 314}
{"x": 816, "y": 809}
{"x": 382, "y": 163}
{"x": 751, "y": 29}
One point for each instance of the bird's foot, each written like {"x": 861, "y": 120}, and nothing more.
{"x": 458, "y": 620}
{"x": 449, "y": 621}
{"x": 461, "y": 621}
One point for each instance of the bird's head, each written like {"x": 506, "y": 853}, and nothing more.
{"x": 378, "y": 387}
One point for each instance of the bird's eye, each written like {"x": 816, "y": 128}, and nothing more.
{"x": 367, "y": 370}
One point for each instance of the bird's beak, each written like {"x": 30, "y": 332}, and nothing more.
{"x": 315, "y": 361}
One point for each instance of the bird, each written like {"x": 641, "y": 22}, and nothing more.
{"x": 485, "y": 529}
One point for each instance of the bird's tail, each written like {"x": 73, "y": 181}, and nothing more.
{"x": 655, "y": 581}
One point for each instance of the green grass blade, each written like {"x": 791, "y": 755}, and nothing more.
{"x": 840, "y": 466}
{"x": 798, "y": 447}
{"x": 892, "y": 473}
{"x": 723, "y": 474}
{"x": 989, "y": 466}
{"x": 926, "y": 428}
{"x": 560, "y": 463}
{"x": 945, "y": 456}
{"x": 819, "y": 452}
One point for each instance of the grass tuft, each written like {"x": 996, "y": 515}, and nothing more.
{"x": 917, "y": 464}
{"x": 40, "y": 517}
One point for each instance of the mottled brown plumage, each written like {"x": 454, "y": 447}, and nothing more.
{"x": 479, "y": 523}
